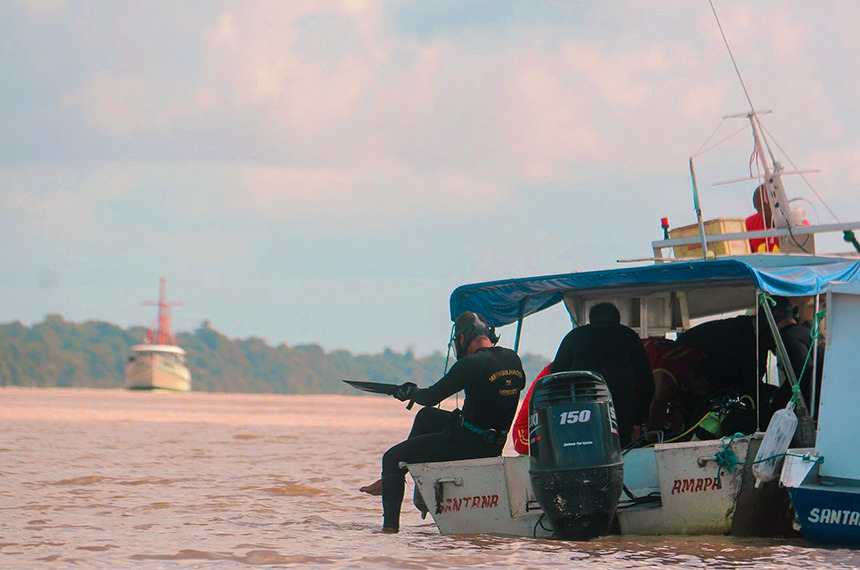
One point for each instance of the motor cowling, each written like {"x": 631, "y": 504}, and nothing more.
{"x": 575, "y": 460}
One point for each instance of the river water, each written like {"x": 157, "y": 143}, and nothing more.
{"x": 117, "y": 479}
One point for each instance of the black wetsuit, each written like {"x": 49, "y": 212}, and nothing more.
{"x": 731, "y": 345}
{"x": 615, "y": 352}
{"x": 492, "y": 379}
{"x": 797, "y": 340}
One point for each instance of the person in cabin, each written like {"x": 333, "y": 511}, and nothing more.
{"x": 655, "y": 347}
{"x": 682, "y": 379}
{"x": 492, "y": 378}
{"x": 740, "y": 358}
{"x": 797, "y": 339}
{"x": 614, "y": 351}
{"x": 520, "y": 431}
{"x": 761, "y": 220}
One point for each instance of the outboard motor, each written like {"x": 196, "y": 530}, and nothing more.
{"x": 575, "y": 453}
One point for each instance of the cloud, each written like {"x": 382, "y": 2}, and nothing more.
{"x": 323, "y": 112}
{"x": 65, "y": 206}
{"x": 123, "y": 105}
{"x": 332, "y": 197}
{"x": 45, "y": 8}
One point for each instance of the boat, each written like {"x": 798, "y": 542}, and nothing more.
{"x": 824, "y": 481}
{"x": 684, "y": 488}
{"x": 158, "y": 363}
{"x": 704, "y": 272}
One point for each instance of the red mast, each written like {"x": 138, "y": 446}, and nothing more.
{"x": 163, "y": 334}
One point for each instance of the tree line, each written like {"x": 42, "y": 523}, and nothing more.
{"x": 58, "y": 353}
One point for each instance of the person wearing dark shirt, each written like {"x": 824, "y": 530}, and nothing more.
{"x": 797, "y": 339}
{"x": 614, "y": 351}
{"x": 676, "y": 381}
{"x": 731, "y": 346}
{"x": 491, "y": 377}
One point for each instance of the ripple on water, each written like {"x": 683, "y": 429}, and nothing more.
{"x": 254, "y": 557}
{"x": 80, "y": 481}
{"x": 84, "y": 490}
{"x": 294, "y": 489}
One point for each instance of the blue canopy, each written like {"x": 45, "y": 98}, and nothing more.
{"x": 503, "y": 302}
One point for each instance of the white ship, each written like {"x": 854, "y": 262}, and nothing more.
{"x": 158, "y": 363}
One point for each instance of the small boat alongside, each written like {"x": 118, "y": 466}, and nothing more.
{"x": 824, "y": 481}
{"x": 158, "y": 363}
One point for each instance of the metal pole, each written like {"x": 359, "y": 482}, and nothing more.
{"x": 698, "y": 209}
{"x": 520, "y": 324}
{"x": 782, "y": 358}
{"x": 814, "y": 361}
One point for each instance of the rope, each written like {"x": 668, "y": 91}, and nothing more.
{"x": 801, "y": 174}
{"x": 728, "y": 459}
{"x": 814, "y": 334}
{"x": 444, "y": 372}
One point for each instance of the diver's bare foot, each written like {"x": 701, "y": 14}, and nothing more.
{"x": 389, "y": 530}
{"x": 374, "y": 489}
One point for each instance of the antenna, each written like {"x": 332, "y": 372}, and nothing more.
{"x": 772, "y": 178}
{"x": 731, "y": 55}
{"x": 163, "y": 333}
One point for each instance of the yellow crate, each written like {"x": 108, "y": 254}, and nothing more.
{"x": 712, "y": 227}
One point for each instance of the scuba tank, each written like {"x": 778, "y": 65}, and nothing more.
{"x": 729, "y": 414}
{"x": 709, "y": 428}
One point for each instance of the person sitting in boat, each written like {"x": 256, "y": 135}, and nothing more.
{"x": 731, "y": 343}
{"x": 761, "y": 220}
{"x": 678, "y": 384}
{"x": 520, "y": 431}
{"x": 655, "y": 348}
{"x": 614, "y": 351}
{"x": 797, "y": 339}
{"x": 492, "y": 378}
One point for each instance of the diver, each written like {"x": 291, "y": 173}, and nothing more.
{"x": 492, "y": 378}
{"x": 614, "y": 351}
{"x": 797, "y": 338}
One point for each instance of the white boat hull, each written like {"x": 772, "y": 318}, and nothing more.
{"x": 481, "y": 496}
{"x": 155, "y": 371}
{"x": 495, "y": 496}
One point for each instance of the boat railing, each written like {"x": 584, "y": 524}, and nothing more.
{"x": 659, "y": 245}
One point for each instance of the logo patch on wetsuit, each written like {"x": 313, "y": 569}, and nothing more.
{"x": 511, "y": 372}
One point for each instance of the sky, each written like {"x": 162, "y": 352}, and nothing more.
{"x": 328, "y": 172}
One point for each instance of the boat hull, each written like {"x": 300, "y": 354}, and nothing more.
{"x": 154, "y": 371}
{"x": 481, "y": 496}
{"x": 677, "y": 486}
{"x": 827, "y": 509}
{"x": 828, "y": 515}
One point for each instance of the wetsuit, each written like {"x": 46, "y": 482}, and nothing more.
{"x": 617, "y": 354}
{"x": 492, "y": 379}
{"x": 731, "y": 345}
{"x": 797, "y": 340}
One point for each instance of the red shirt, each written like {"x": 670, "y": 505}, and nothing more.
{"x": 755, "y": 223}
{"x": 655, "y": 348}
{"x": 520, "y": 431}
{"x": 677, "y": 363}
